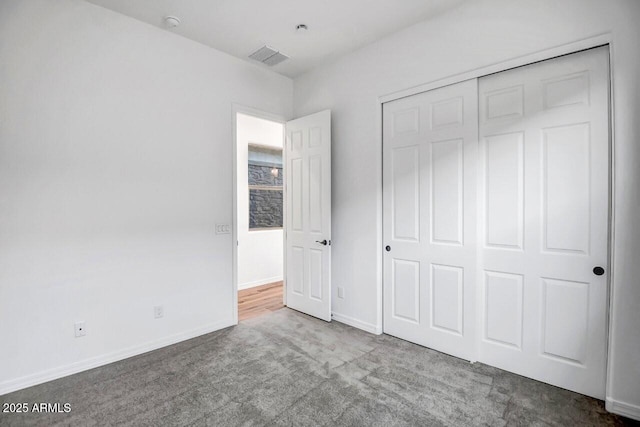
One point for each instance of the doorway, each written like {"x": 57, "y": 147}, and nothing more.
{"x": 282, "y": 213}
{"x": 259, "y": 215}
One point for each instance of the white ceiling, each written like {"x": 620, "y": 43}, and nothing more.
{"x": 239, "y": 27}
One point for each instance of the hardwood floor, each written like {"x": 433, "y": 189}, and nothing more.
{"x": 260, "y": 300}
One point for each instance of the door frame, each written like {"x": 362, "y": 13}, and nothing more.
{"x": 542, "y": 55}
{"x": 260, "y": 114}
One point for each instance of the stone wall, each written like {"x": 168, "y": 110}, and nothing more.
{"x": 261, "y": 175}
{"x": 265, "y": 206}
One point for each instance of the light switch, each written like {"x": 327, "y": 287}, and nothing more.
{"x": 223, "y": 229}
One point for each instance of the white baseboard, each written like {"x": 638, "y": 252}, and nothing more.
{"x": 260, "y": 282}
{"x": 621, "y": 408}
{"x": 368, "y": 327}
{"x": 93, "y": 362}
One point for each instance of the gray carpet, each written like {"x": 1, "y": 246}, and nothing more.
{"x": 286, "y": 369}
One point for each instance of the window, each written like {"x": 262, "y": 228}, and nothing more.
{"x": 265, "y": 187}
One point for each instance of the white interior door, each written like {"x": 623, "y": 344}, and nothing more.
{"x": 544, "y": 209}
{"x": 308, "y": 215}
{"x": 429, "y": 198}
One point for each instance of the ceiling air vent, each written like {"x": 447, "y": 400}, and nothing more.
{"x": 268, "y": 56}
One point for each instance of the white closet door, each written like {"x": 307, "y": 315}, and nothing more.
{"x": 429, "y": 174}
{"x": 544, "y": 191}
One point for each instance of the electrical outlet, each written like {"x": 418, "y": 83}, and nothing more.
{"x": 158, "y": 311}
{"x": 340, "y": 292}
{"x": 80, "y": 329}
{"x": 223, "y": 229}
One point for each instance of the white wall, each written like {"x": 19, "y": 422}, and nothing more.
{"x": 260, "y": 252}
{"x": 477, "y": 34}
{"x": 115, "y": 164}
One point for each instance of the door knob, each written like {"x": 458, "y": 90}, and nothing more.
{"x": 322, "y": 242}
{"x": 598, "y": 271}
{"x": 387, "y": 248}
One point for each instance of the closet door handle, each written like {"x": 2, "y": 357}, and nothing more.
{"x": 322, "y": 242}
{"x": 598, "y": 271}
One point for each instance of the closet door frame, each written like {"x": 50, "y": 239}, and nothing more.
{"x": 581, "y": 45}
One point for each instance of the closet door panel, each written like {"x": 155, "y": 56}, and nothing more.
{"x": 429, "y": 179}
{"x": 544, "y": 203}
